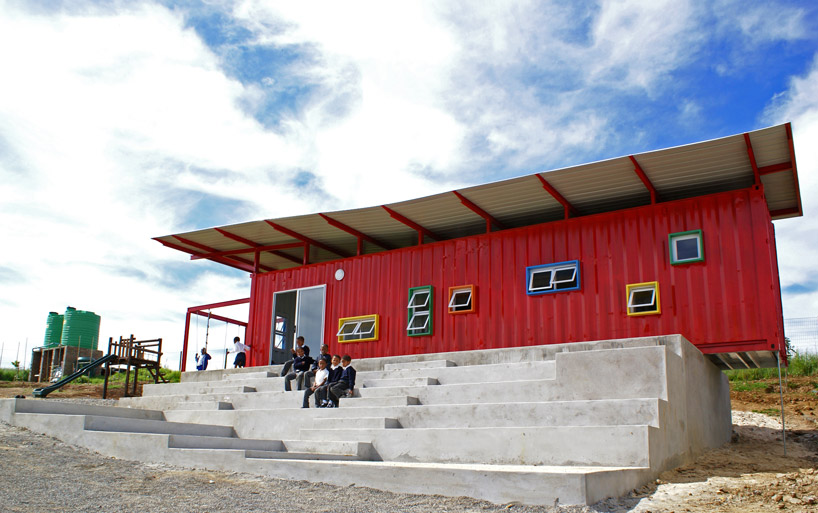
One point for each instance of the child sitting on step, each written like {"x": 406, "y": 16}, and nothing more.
{"x": 321, "y": 376}
{"x": 345, "y": 385}
{"x": 334, "y": 375}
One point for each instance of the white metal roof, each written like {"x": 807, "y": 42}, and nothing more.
{"x": 708, "y": 167}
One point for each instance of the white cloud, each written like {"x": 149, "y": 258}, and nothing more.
{"x": 796, "y": 237}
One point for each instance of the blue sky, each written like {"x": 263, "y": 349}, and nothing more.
{"x": 121, "y": 121}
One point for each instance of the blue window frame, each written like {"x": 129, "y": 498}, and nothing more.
{"x": 548, "y": 278}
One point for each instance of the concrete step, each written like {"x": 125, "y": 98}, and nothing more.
{"x": 626, "y": 446}
{"x": 251, "y": 375}
{"x": 70, "y": 408}
{"x": 355, "y": 423}
{"x": 362, "y": 450}
{"x": 471, "y": 373}
{"x": 398, "y": 382}
{"x": 501, "y": 484}
{"x": 223, "y": 442}
{"x": 204, "y": 405}
{"x": 287, "y": 455}
{"x": 195, "y": 389}
{"x": 116, "y": 424}
{"x": 431, "y": 364}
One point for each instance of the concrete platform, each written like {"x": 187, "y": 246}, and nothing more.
{"x": 578, "y": 422}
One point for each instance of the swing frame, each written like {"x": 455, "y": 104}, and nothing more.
{"x": 206, "y": 311}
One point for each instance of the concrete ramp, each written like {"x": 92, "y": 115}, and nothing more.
{"x": 575, "y": 422}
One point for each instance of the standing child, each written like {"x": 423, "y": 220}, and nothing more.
{"x": 321, "y": 376}
{"x": 345, "y": 385}
{"x": 201, "y": 360}
{"x": 239, "y": 349}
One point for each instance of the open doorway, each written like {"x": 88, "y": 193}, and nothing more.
{"x": 296, "y": 313}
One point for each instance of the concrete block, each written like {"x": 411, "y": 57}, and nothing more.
{"x": 115, "y": 424}
{"x": 399, "y": 382}
{"x": 355, "y": 423}
{"x": 431, "y": 364}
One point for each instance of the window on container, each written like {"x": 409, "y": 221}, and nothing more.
{"x": 558, "y": 277}
{"x": 419, "y": 311}
{"x": 643, "y": 298}
{"x": 358, "y": 329}
{"x": 686, "y": 247}
{"x": 461, "y": 299}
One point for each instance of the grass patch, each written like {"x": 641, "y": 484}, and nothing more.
{"x": 799, "y": 365}
{"x": 13, "y": 375}
{"x": 749, "y": 386}
{"x": 772, "y": 412}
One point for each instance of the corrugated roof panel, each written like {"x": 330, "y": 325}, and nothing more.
{"x": 770, "y": 146}
{"x": 779, "y": 189}
{"x": 685, "y": 171}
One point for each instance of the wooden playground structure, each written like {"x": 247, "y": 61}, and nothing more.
{"x": 134, "y": 354}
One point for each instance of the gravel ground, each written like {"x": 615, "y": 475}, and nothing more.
{"x": 41, "y": 474}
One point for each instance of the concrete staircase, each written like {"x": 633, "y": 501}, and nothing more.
{"x": 575, "y": 422}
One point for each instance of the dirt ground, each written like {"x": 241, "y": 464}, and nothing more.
{"x": 749, "y": 475}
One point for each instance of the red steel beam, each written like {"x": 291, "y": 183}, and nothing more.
{"x": 569, "y": 209}
{"x": 490, "y": 219}
{"x": 220, "y": 318}
{"x": 183, "y": 365}
{"x": 352, "y": 231}
{"x": 248, "y": 263}
{"x": 254, "y": 244}
{"x": 645, "y": 180}
{"x": 224, "y": 261}
{"x": 411, "y": 224}
{"x": 788, "y": 127}
{"x": 257, "y": 249}
{"x": 756, "y": 174}
{"x": 220, "y": 304}
{"x": 775, "y": 168}
{"x": 307, "y": 240}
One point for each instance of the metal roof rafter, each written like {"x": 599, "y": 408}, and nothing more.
{"x": 654, "y": 196}
{"x": 411, "y": 224}
{"x": 753, "y": 163}
{"x": 305, "y": 239}
{"x": 195, "y": 244}
{"x": 569, "y": 209}
{"x": 357, "y": 234}
{"x": 490, "y": 219}
{"x": 235, "y": 265}
{"x": 254, "y": 244}
{"x": 257, "y": 249}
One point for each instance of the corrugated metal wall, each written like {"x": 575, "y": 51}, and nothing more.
{"x": 729, "y": 301}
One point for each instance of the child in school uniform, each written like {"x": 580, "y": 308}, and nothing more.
{"x": 321, "y": 376}
{"x": 335, "y": 372}
{"x": 345, "y": 385}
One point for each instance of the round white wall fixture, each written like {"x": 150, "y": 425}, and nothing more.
{"x": 339, "y": 274}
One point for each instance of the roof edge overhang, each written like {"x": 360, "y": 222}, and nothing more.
{"x": 764, "y": 158}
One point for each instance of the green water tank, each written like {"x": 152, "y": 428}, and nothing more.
{"x": 53, "y": 329}
{"x": 80, "y": 329}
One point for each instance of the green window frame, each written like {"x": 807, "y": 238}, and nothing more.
{"x": 686, "y": 247}
{"x": 419, "y": 311}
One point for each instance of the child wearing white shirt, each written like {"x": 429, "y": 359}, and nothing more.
{"x": 321, "y": 376}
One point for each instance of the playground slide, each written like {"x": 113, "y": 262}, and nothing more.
{"x": 42, "y": 392}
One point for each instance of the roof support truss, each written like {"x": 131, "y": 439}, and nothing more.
{"x": 308, "y": 241}
{"x": 411, "y": 224}
{"x": 254, "y": 244}
{"x": 645, "y": 180}
{"x": 799, "y": 208}
{"x": 490, "y": 220}
{"x": 249, "y": 265}
{"x": 359, "y": 235}
{"x": 183, "y": 249}
{"x": 569, "y": 209}
{"x": 756, "y": 174}
{"x": 257, "y": 249}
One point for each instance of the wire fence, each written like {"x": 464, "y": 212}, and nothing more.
{"x": 803, "y": 334}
